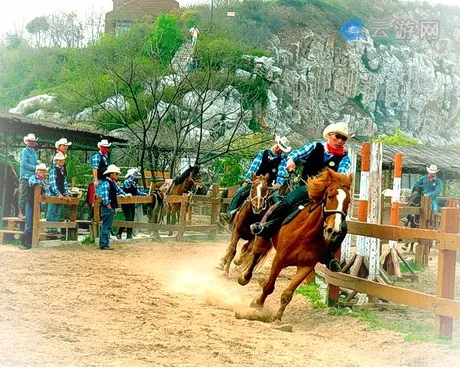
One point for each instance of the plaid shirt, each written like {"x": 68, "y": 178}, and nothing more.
{"x": 96, "y": 158}
{"x": 130, "y": 182}
{"x": 257, "y": 161}
{"x": 35, "y": 180}
{"x": 303, "y": 152}
{"x": 28, "y": 162}
{"x": 105, "y": 187}
{"x": 53, "y": 185}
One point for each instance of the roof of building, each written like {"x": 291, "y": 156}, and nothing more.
{"x": 82, "y": 136}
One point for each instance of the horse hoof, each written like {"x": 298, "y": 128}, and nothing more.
{"x": 237, "y": 262}
{"x": 278, "y": 325}
{"x": 220, "y": 266}
{"x": 255, "y": 305}
{"x": 242, "y": 281}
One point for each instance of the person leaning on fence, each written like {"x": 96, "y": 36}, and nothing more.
{"x": 109, "y": 190}
{"x": 100, "y": 163}
{"x": 130, "y": 187}
{"x": 431, "y": 186}
{"x": 62, "y": 145}
{"x": 318, "y": 155}
{"x": 58, "y": 188}
{"x": 29, "y": 161}
{"x": 266, "y": 162}
{"x": 37, "y": 179}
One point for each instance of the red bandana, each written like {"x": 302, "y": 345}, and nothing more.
{"x": 431, "y": 176}
{"x": 332, "y": 150}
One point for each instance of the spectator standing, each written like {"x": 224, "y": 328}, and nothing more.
{"x": 109, "y": 190}
{"x": 29, "y": 161}
{"x": 130, "y": 187}
{"x": 37, "y": 179}
{"x": 58, "y": 188}
{"x": 194, "y": 32}
{"x": 100, "y": 163}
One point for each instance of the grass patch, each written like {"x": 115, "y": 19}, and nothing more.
{"x": 415, "y": 267}
{"x": 88, "y": 240}
{"x": 311, "y": 292}
{"x": 412, "y": 332}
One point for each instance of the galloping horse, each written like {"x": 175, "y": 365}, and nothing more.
{"x": 252, "y": 211}
{"x": 302, "y": 241}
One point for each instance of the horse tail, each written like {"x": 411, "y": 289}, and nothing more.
{"x": 246, "y": 258}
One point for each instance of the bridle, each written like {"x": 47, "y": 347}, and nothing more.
{"x": 264, "y": 198}
{"x": 327, "y": 213}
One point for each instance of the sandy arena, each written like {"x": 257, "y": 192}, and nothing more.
{"x": 165, "y": 304}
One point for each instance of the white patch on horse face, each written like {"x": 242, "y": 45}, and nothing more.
{"x": 338, "y": 217}
{"x": 259, "y": 195}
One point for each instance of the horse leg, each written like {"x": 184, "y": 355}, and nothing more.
{"x": 225, "y": 262}
{"x": 260, "y": 249}
{"x": 286, "y": 296}
{"x": 269, "y": 286}
{"x": 243, "y": 251}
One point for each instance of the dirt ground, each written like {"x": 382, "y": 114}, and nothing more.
{"x": 165, "y": 304}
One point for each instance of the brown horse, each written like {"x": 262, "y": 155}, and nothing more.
{"x": 252, "y": 211}
{"x": 182, "y": 185}
{"x": 303, "y": 241}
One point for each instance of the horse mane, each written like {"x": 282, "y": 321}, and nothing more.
{"x": 180, "y": 179}
{"x": 318, "y": 185}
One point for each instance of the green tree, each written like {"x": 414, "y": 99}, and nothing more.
{"x": 38, "y": 27}
{"x": 166, "y": 38}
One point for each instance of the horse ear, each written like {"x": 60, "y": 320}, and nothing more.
{"x": 253, "y": 176}
{"x": 267, "y": 177}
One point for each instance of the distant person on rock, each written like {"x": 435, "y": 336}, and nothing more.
{"x": 194, "y": 32}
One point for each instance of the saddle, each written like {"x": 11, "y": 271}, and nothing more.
{"x": 295, "y": 210}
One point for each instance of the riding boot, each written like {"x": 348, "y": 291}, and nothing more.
{"x": 273, "y": 221}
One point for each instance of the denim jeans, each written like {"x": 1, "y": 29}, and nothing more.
{"x": 23, "y": 189}
{"x": 240, "y": 196}
{"x": 106, "y": 228}
{"x": 29, "y": 219}
{"x": 54, "y": 212}
{"x": 434, "y": 204}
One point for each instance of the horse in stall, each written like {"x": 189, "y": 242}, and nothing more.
{"x": 251, "y": 211}
{"x": 303, "y": 241}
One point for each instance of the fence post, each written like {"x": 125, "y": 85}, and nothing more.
{"x": 97, "y": 216}
{"x": 446, "y": 271}
{"x": 36, "y": 216}
{"x": 182, "y": 220}
{"x": 422, "y": 250}
{"x": 214, "y": 210}
{"x": 73, "y": 233}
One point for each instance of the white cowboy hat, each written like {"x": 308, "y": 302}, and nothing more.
{"x": 59, "y": 156}
{"x": 130, "y": 172}
{"x": 104, "y": 143}
{"x": 30, "y": 137}
{"x": 62, "y": 141}
{"x": 432, "y": 169}
{"x": 112, "y": 169}
{"x": 340, "y": 128}
{"x": 283, "y": 143}
{"x": 41, "y": 167}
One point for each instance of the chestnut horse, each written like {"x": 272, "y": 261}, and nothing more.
{"x": 251, "y": 211}
{"x": 302, "y": 241}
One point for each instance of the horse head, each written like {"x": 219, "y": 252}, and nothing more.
{"x": 335, "y": 191}
{"x": 259, "y": 193}
{"x": 199, "y": 188}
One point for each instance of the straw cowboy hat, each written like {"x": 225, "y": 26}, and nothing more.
{"x": 283, "y": 143}
{"x": 130, "y": 172}
{"x": 104, "y": 143}
{"x": 112, "y": 169}
{"x": 432, "y": 169}
{"x": 30, "y": 137}
{"x": 62, "y": 141}
{"x": 59, "y": 156}
{"x": 340, "y": 128}
{"x": 41, "y": 167}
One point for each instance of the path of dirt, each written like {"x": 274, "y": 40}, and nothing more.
{"x": 164, "y": 304}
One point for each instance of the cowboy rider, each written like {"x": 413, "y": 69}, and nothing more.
{"x": 318, "y": 155}
{"x": 266, "y": 162}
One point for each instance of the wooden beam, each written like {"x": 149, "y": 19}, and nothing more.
{"x": 431, "y": 303}
{"x": 56, "y": 200}
{"x": 62, "y": 225}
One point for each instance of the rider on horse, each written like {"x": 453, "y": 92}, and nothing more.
{"x": 266, "y": 162}
{"x": 318, "y": 155}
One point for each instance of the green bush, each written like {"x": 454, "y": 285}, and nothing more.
{"x": 167, "y": 37}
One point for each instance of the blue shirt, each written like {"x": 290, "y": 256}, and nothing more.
{"x": 28, "y": 163}
{"x": 35, "y": 180}
{"x": 258, "y": 160}
{"x": 53, "y": 185}
{"x": 96, "y": 158}
{"x": 432, "y": 187}
{"x": 104, "y": 190}
{"x": 303, "y": 152}
{"x": 131, "y": 182}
